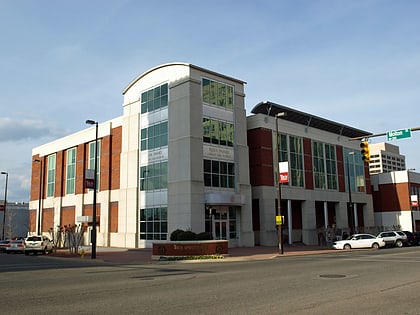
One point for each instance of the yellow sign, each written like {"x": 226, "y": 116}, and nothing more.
{"x": 279, "y": 220}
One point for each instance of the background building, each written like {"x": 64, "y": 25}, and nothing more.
{"x": 385, "y": 158}
{"x": 317, "y": 201}
{"x": 392, "y": 193}
{"x": 16, "y": 221}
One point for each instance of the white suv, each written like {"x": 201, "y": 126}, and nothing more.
{"x": 38, "y": 244}
{"x": 393, "y": 238}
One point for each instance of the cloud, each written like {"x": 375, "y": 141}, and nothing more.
{"x": 12, "y": 129}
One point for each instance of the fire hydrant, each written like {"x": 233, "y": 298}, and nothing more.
{"x": 82, "y": 253}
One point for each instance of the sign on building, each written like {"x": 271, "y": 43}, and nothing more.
{"x": 90, "y": 179}
{"x": 414, "y": 201}
{"x": 283, "y": 172}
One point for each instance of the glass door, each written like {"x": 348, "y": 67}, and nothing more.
{"x": 220, "y": 225}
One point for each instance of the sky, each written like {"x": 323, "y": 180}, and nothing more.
{"x": 62, "y": 62}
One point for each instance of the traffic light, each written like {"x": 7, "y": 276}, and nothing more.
{"x": 365, "y": 151}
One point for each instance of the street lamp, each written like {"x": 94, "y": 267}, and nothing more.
{"x": 95, "y": 168}
{"x": 279, "y": 227}
{"x": 38, "y": 225}
{"x": 349, "y": 184}
{"x": 5, "y": 203}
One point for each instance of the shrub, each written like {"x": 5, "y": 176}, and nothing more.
{"x": 204, "y": 236}
{"x": 175, "y": 234}
{"x": 187, "y": 236}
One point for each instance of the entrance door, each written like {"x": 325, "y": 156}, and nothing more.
{"x": 220, "y": 225}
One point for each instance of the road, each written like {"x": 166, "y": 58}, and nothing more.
{"x": 383, "y": 281}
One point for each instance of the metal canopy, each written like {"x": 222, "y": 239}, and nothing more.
{"x": 309, "y": 120}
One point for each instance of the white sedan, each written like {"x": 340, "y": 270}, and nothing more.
{"x": 359, "y": 241}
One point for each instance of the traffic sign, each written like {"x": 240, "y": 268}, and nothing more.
{"x": 398, "y": 134}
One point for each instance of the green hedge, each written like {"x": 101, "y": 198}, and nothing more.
{"x": 181, "y": 235}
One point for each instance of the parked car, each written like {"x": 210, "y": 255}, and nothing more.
{"x": 3, "y": 245}
{"x": 359, "y": 241}
{"x": 38, "y": 244}
{"x": 16, "y": 246}
{"x": 417, "y": 236}
{"x": 393, "y": 238}
{"x": 412, "y": 239}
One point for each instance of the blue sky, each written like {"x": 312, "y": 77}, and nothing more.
{"x": 62, "y": 62}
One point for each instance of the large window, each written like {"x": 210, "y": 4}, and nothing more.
{"x": 331, "y": 166}
{"x": 324, "y": 166}
{"x": 71, "y": 171}
{"x": 318, "y": 163}
{"x": 92, "y": 154}
{"x": 154, "y": 176}
{"x": 154, "y": 223}
{"x": 51, "y": 175}
{"x": 154, "y": 136}
{"x": 217, "y": 93}
{"x": 218, "y": 132}
{"x": 291, "y": 150}
{"x": 354, "y": 166}
{"x": 296, "y": 161}
{"x": 154, "y": 99}
{"x": 219, "y": 174}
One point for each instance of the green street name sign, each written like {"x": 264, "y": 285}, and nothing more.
{"x": 399, "y": 134}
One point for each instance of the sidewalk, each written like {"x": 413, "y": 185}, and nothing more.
{"x": 144, "y": 255}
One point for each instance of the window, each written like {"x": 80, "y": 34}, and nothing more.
{"x": 318, "y": 160}
{"x": 51, "y": 175}
{"x": 232, "y": 223}
{"x": 296, "y": 161}
{"x": 154, "y": 223}
{"x": 154, "y": 99}
{"x": 71, "y": 171}
{"x": 91, "y": 162}
{"x": 325, "y": 166}
{"x": 154, "y": 176}
{"x": 154, "y": 136}
{"x": 331, "y": 166}
{"x": 218, "y": 132}
{"x": 354, "y": 165}
{"x": 219, "y": 174}
{"x": 217, "y": 93}
{"x": 294, "y": 156}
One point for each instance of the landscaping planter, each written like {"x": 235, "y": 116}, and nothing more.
{"x": 190, "y": 248}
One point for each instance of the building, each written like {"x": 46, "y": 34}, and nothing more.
{"x": 385, "y": 157}
{"x": 16, "y": 221}
{"x": 395, "y": 200}
{"x": 176, "y": 159}
{"x": 183, "y": 155}
{"x": 322, "y": 164}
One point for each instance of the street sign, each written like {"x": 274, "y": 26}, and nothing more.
{"x": 279, "y": 219}
{"x": 398, "y": 134}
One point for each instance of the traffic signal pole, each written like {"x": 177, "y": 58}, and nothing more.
{"x": 378, "y": 134}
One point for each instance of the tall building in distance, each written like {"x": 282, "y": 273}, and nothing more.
{"x": 385, "y": 158}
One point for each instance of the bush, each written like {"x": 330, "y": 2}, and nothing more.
{"x": 175, "y": 234}
{"x": 187, "y": 236}
{"x": 204, "y": 236}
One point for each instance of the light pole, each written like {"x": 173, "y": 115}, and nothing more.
{"x": 38, "y": 224}
{"x": 350, "y": 201}
{"x": 279, "y": 227}
{"x": 95, "y": 168}
{"x": 5, "y": 203}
